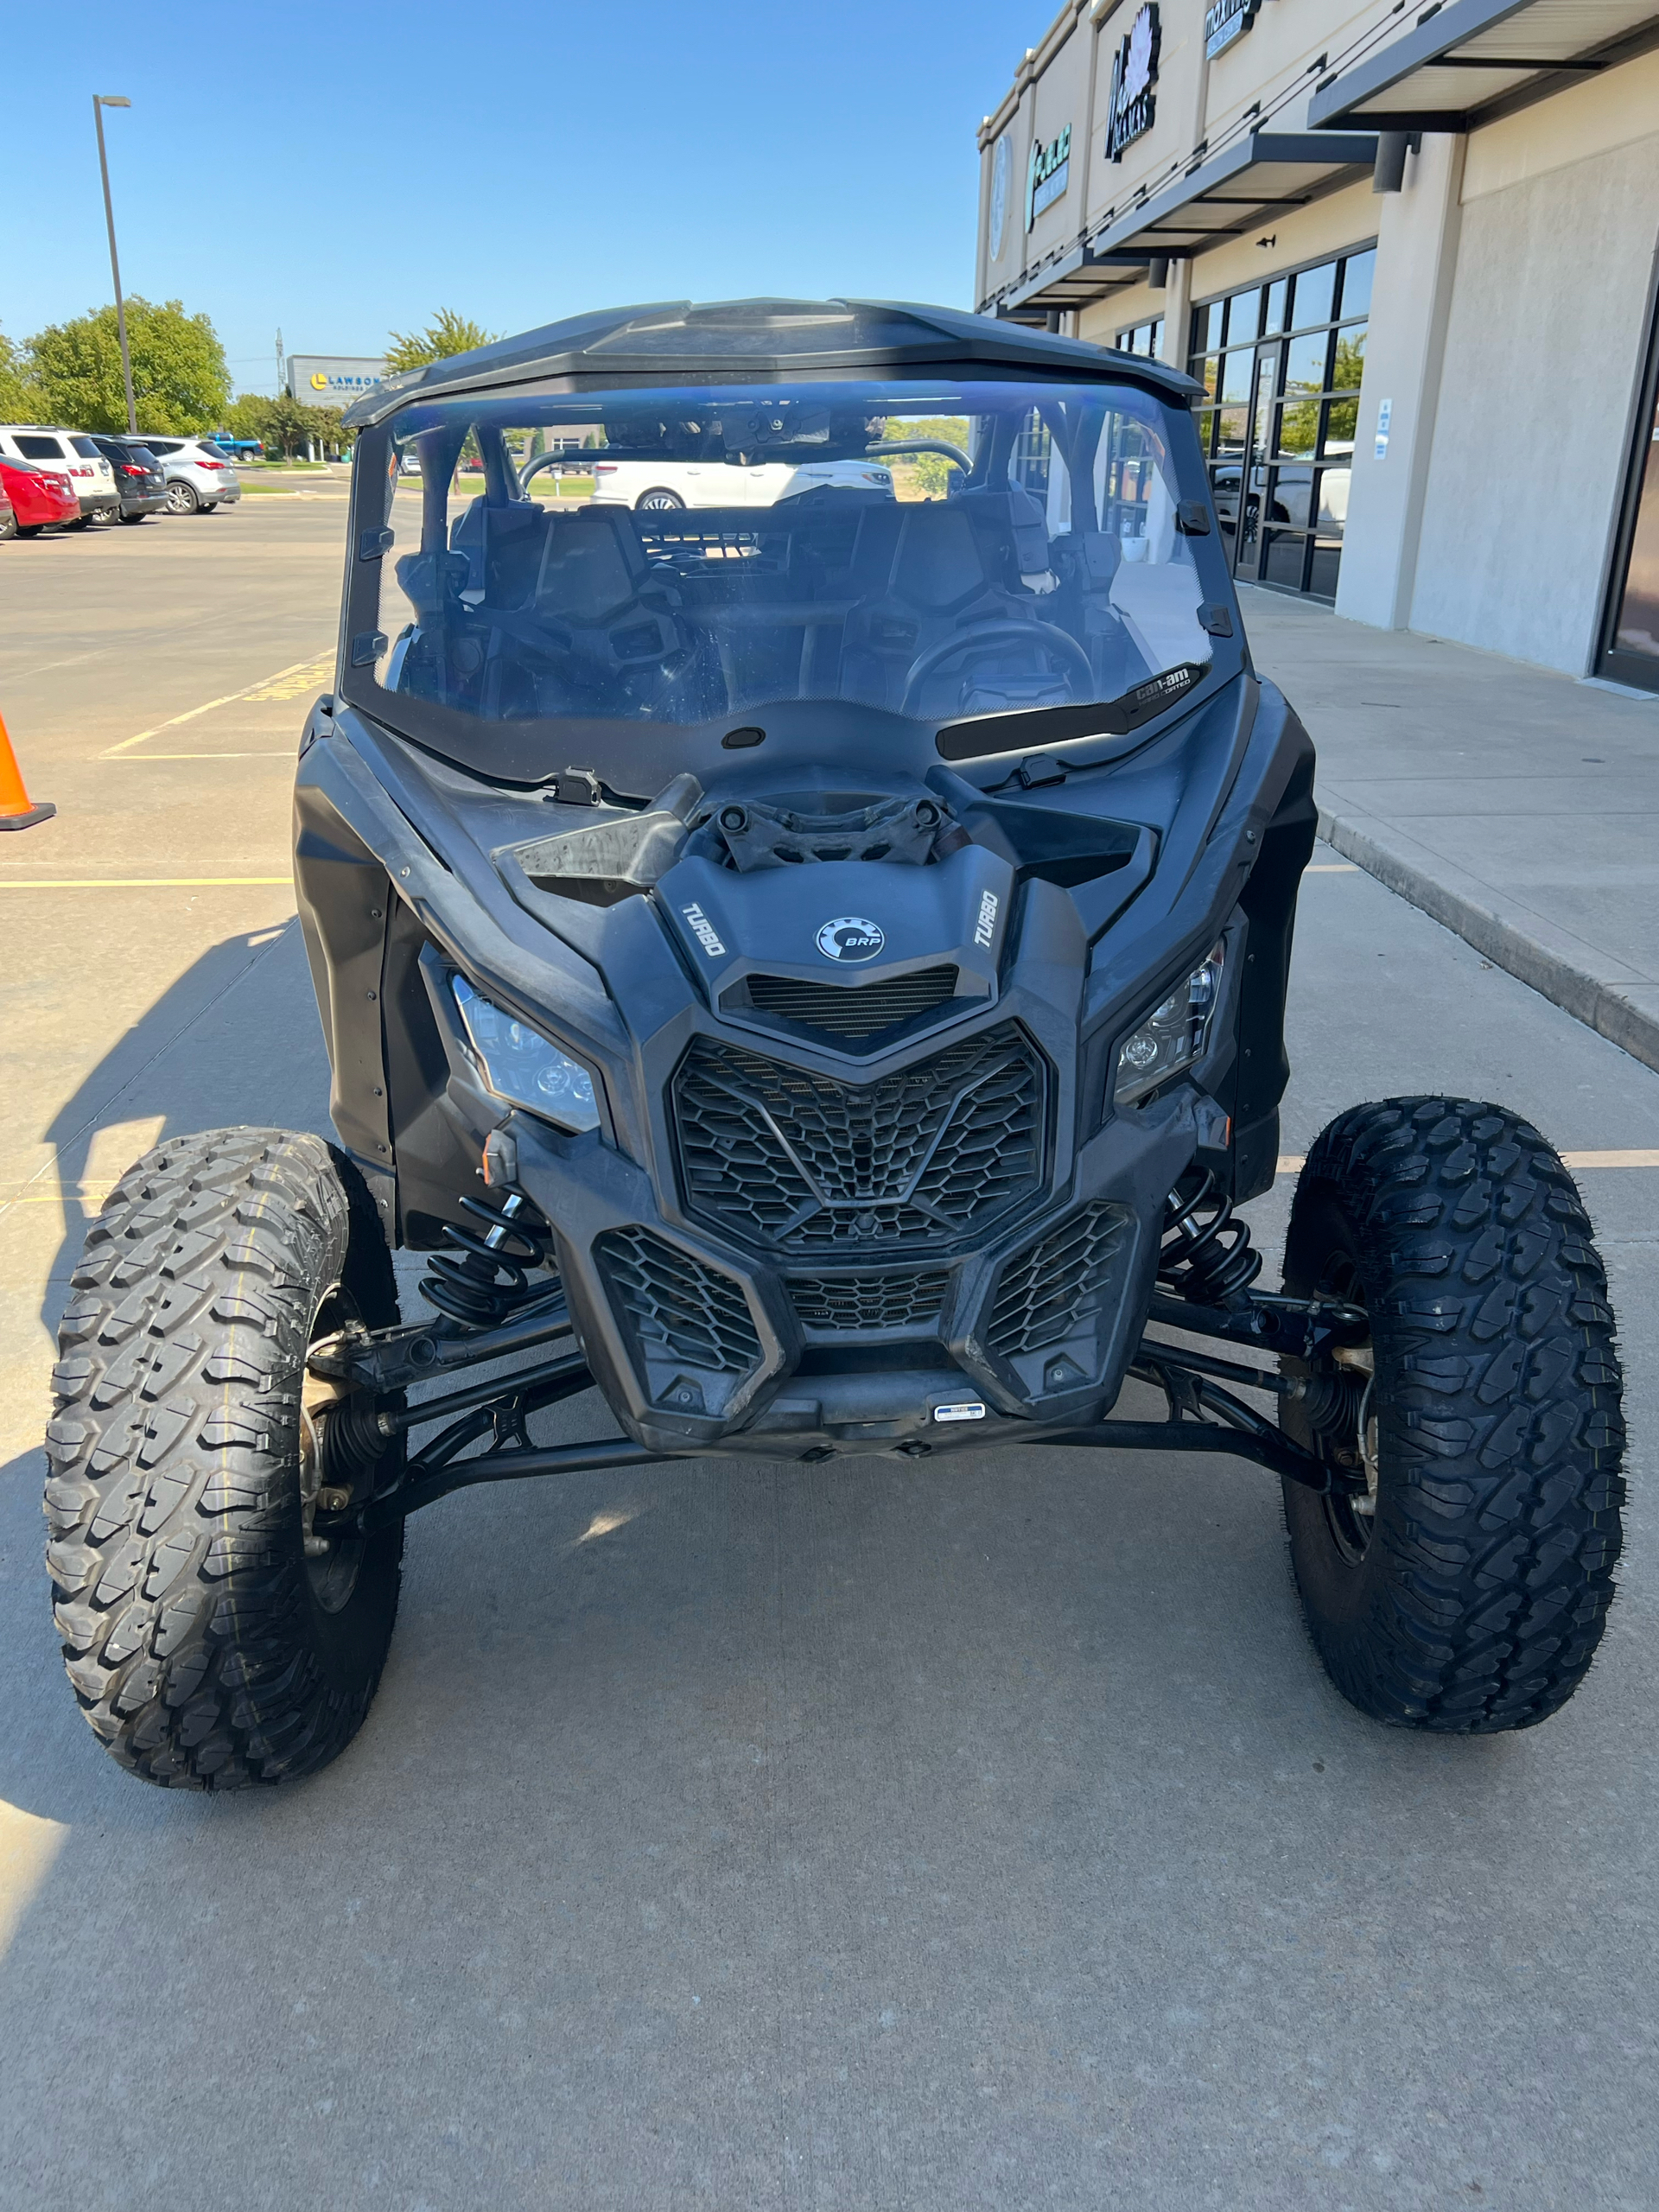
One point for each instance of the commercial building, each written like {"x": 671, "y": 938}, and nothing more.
{"x": 332, "y": 379}
{"x": 1410, "y": 254}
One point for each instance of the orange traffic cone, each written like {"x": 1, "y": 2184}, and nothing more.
{"x": 16, "y": 812}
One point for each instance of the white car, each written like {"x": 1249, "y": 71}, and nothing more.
{"x": 722, "y": 484}
{"x": 91, "y": 477}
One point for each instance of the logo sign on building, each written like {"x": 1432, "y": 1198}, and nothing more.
{"x": 1225, "y": 21}
{"x": 1047, "y": 174}
{"x": 1001, "y": 169}
{"x": 331, "y": 379}
{"x": 1132, "y": 105}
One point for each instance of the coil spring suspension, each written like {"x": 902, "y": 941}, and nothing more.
{"x": 1205, "y": 1255}
{"x": 490, "y": 1278}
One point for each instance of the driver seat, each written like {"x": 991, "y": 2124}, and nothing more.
{"x": 916, "y": 570}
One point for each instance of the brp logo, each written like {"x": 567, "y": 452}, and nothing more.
{"x": 851, "y": 937}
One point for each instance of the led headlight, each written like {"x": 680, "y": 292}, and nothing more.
{"x": 519, "y": 1064}
{"x": 1173, "y": 1035}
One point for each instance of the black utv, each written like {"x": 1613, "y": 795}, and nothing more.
{"x": 798, "y": 872}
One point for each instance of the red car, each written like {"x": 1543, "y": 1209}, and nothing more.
{"x": 40, "y": 497}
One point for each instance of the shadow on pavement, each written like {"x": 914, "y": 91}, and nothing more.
{"x": 235, "y": 1039}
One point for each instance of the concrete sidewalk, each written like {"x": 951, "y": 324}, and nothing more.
{"x": 1516, "y": 806}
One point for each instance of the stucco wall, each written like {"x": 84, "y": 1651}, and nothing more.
{"x": 1542, "y": 342}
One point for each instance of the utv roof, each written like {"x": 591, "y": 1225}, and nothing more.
{"x": 757, "y": 337}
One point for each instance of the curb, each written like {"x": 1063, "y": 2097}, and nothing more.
{"x": 1600, "y": 1006}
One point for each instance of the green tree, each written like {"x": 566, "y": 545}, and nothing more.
{"x": 288, "y": 424}
{"x": 246, "y": 417}
{"x": 179, "y": 381}
{"x": 19, "y": 402}
{"x": 448, "y": 333}
{"x": 925, "y": 475}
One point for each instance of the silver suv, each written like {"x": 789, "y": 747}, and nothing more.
{"x": 200, "y": 475}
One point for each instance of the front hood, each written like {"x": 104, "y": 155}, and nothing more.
{"x": 839, "y": 925}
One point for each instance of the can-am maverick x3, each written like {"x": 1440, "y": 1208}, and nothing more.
{"x": 802, "y": 942}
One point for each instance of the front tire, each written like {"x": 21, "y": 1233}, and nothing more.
{"x": 1467, "y": 1591}
{"x": 212, "y": 1641}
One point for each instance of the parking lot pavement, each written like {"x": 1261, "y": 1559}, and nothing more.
{"x": 974, "y": 1833}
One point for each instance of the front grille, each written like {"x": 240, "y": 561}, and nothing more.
{"x": 862, "y": 1302}
{"x": 679, "y": 1307}
{"x": 863, "y": 1011}
{"x": 1055, "y": 1288}
{"x": 800, "y": 1161}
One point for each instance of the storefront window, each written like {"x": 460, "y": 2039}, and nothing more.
{"x": 1146, "y": 338}
{"x": 1278, "y": 421}
{"x": 1631, "y": 645}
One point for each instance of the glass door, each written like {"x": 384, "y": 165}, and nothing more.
{"x": 1280, "y": 363}
{"x": 1630, "y": 651}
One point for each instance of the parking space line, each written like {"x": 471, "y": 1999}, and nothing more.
{"x": 132, "y": 882}
{"x": 1291, "y": 1163}
{"x": 262, "y": 683}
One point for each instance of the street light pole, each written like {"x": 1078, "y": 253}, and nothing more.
{"x": 100, "y": 101}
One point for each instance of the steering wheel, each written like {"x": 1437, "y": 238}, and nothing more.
{"x": 1064, "y": 647}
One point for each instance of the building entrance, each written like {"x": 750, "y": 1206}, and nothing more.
{"x": 1280, "y": 365}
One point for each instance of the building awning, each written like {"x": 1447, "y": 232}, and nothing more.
{"x": 1072, "y": 279}
{"x": 1464, "y": 62}
{"x": 1225, "y": 195}
{"x": 1233, "y": 192}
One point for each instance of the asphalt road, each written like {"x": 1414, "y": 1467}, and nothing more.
{"x": 863, "y": 1835}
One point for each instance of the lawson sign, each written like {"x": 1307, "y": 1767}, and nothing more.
{"x": 331, "y": 379}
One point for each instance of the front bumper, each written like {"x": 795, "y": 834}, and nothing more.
{"x": 699, "y": 1344}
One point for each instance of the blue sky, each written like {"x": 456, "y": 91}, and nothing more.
{"x": 343, "y": 171}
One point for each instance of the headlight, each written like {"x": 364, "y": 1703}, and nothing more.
{"x": 519, "y": 1064}
{"x": 1173, "y": 1035}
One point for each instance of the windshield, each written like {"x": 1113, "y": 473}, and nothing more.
{"x": 939, "y": 551}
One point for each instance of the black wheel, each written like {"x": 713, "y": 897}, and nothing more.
{"x": 8, "y": 524}
{"x": 213, "y": 1639}
{"x": 208, "y": 507}
{"x": 1466, "y": 1589}
{"x": 30, "y": 529}
{"x": 660, "y": 498}
{"x": 181, "y": 497}
{"x": 135, "y": 517}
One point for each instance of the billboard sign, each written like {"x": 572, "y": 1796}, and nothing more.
{"x": 331, "y": 379}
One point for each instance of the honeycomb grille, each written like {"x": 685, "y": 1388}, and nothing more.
{"x": 877, "y": 1301}
{"x": 864, "y": 1011}
{"x": 796, "y": 1160}
{"x": 693, "y": 1314}
{"x": 1054, "y": 1288}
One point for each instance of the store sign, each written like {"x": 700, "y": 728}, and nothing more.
{"x": 1132, "y": 105}
{"x": 1225, "y": 21}
{"x": 1002, "y": 171}
{"x": 331, "y": 379}
{"x": 1048, "y": 175}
